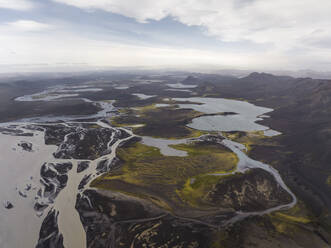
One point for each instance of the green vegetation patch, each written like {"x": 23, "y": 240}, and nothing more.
{"x": 298, "y": 214}
{"x": 145, "y": 172}
{"x": 163, "y": 122}
{"x": 289, "y": 221}
{"x": 328, "y": 181}
{"x": 250, "y": 139}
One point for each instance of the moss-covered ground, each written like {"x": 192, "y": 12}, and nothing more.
{"x": 251, "y": 139}
{"x": 166, "y": 180}
{"x": 287, "y": 221}
{"x": 159, "y": 122}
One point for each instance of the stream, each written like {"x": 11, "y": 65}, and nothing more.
{"x": 74, "y": 234}
{"x": 245, "y": 163}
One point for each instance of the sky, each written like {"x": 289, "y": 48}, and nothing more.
{"x": 227, "y": 34}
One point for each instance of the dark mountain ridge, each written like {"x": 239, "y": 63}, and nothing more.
{"x": 302, "y": 112}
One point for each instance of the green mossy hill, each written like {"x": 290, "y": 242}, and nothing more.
{"x": 299, "y": 214}
{"x": 251, "y": 139}
{"x": 328, "y": 181}
{"x": 295, "y": 227}
{"x": 262, "y": 231}
{"x": 146, "y": 173}
{"x": 165, "y": 122}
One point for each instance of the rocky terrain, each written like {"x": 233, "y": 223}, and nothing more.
{"x": 27, "y": 146}
{"x": 255, "y": 190}
{"x": 85, "y": 144}
{"x": 54, "y": 178}
{"x": 49, "y": 233}
{"x": 115, "y": 220}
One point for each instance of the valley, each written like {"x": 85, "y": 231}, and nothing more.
{"x": 166, "y": 161}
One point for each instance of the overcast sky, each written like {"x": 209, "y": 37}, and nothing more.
{"x": 240, "y": 34}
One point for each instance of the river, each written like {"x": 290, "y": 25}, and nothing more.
{"x": 20, "y": 169}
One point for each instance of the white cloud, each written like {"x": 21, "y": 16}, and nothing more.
{"x": 21, "y": 49}
{"x": 47, "y": 48}
{"x": 284, "y": 23}
{"x": 140, "y": 10}
{"x": 27, "y": 26}
{"x": 297, "y": 33}
{"x": 16, "y": 4}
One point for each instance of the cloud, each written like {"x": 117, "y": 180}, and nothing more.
{"x": 20, "y": 5}
{"x": 283, "y": 23}
{"x": 284, "y": 34}
{"x": 141, "y": 11}
{"x": 73, "y": 49}
{"x": 47, "y": 48}
{"x": 28, "y": 26}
